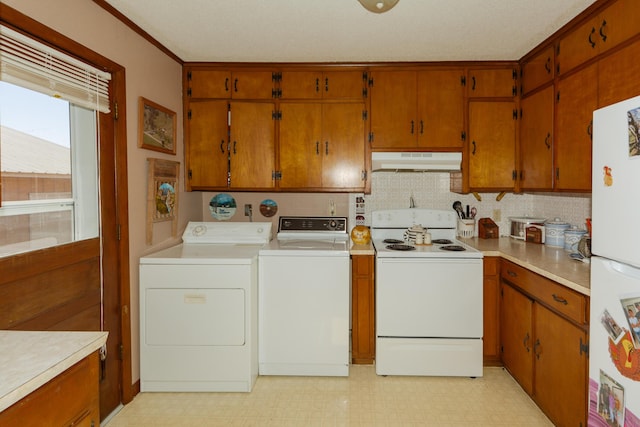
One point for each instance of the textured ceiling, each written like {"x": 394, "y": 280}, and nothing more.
{"x": 343, "y": 31}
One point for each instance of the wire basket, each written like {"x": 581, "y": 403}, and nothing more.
{"x": 466, "y": 227}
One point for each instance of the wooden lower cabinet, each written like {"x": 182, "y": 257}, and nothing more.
{"x": 70, "y": 399}
{"x": 491, "y": 312}
{"x": 363, "y": 339}
{"x": 543, "y": 330}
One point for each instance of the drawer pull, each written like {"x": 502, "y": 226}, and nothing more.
{"x": 512, "y": 273}
{"x": 525, "y": 342}
{"x": 559, "y": 299}
{"x": 536, "y": 346}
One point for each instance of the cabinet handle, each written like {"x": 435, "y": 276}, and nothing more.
{"x": 317, "y": 147}
{"x": 473, "y": 84}
{"x": 412, "y": 125}
{"x": 234, "y": 147}
{"x": 547, "y": 65}
{"x": 474, "y": 147}
{"x": 603, "y": 36}
{"x": 235, "y": 85}
{"x": 512, "y": 273}
{"x": 525, "y": 342}
{"x": 326, "y": 148}
{"x": 559, "y": 299}
{"x": 536, "y": 346}
{"x": 226, "y": 84}
{"x": 591, "y": 42}
{"x": 421, "y": 127}
{"x": 326, "y": 84}
{"x": 317, "y": 85}
{"x": 222, "y": 146}
{"x": 546, "y": 140}
{"x": 590, "y": 130}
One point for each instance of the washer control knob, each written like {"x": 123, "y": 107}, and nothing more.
{"x": 333, "y": 224}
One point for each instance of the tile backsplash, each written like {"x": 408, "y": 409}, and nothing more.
{"x": 394, "y": 190}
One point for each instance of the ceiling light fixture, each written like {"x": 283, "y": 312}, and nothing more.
{"x": 378, "y": 6}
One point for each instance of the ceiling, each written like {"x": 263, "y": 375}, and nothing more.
{"x": 343, "y": 31}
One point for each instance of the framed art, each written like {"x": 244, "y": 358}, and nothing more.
{"x": 162, "y": 194}
{"x": 156, "y": 127}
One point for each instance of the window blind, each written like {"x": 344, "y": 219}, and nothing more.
{"x": 28, "y": 63}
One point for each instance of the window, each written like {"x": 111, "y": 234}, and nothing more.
{"x": 48, "y": 157}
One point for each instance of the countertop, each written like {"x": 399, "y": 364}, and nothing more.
{"x": 30, "y": 359}
{"x": 548, "y": 261}
{"x": 362, "y": 249}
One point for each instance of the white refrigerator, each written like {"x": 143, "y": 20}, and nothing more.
{"x": 614, "y": 344}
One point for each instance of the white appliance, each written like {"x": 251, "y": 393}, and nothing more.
{"x": 199, "y": 309}
{"x": 614, "y": 344}
{"x": 428, "y": 297}
{"x": 304, "y": 298}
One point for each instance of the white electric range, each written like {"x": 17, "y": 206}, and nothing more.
{"x": 428, "y": 296}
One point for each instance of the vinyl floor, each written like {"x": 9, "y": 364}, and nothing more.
{"x": 362, "y": 399}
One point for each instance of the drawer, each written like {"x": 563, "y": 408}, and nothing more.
{"x": 554, "y": 295}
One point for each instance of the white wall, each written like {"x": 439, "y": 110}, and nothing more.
{"x": 150, "y": 74}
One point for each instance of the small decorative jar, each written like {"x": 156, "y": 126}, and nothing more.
{"x": 361, "y": 235}
{"x": 572, "y": 237}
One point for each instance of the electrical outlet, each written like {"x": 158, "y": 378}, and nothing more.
{"x": 247, "y": 209}
{"x": 497, "y": 215}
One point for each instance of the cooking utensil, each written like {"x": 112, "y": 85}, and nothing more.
{"x": 473, "y": 213}
{"x": 457, "y": 206}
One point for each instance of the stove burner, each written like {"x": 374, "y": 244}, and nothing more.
{"x": 392, "y": 241}
{"x": 442, "y": 241}
{"x": 455, "y": 248}
{"x": 398, "y": 247}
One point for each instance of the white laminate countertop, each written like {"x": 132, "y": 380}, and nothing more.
{"x": 30, "y": 359}
{"x": 548, "y": 261}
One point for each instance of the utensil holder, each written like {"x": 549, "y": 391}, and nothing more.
{"x": 466, "y": 227}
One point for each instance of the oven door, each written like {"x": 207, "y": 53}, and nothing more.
{"x": 429, "y": 298}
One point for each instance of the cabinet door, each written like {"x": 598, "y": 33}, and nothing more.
{"x": 252, "y": 84}
{"x": 491, "y": 145}
{"x": 206, "y": 145}
{"x": 344, "y": 84}
{"x": 491, "y": 312}
{"x": 393, "y": 109}
{"x": 301, "y": 85}
{"x": 363, "y": 309}
{"x": 300, "y": 145}
{"x": 561, "y": 368}
{"x": 209, "y": 83}
{"x": 516, "y": 335}
{"x": 440, "y": 109}
{"x": 252, "y": 145}
{"x": 575, "y": 102}
{"x": 491, "y": 83}
{"x": 618, "y": 75}
{"x": 538, "y": 70}
{"x": 343, "y": 146}
{"x": 536, "y": 141}
{"x": 615, "y": 24}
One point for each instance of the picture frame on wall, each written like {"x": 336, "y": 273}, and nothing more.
{"x": 156, "y": 127}
{"x": 162, "y": 194}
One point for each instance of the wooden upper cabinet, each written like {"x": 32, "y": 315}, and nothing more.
{"x": 538, "y": 70}
{"x": 301, "y": 84}
{"x": 492, "y": 83}
{"x": 252, "y": 145}
{"x": 417, "y": 109}
{"x": 322, "y": 146}
{"x": 576, "y": 99}
{"x": 618, "y": 75}
{"x": 230, "y": 84}
{"x": 615, "y": 24}
{"x": 491, "y": 150}
{"x": 536, "y": 141}
{"x": 206, "y": 144}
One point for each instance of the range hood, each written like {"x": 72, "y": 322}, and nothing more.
{"x": 436, "y": 161}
